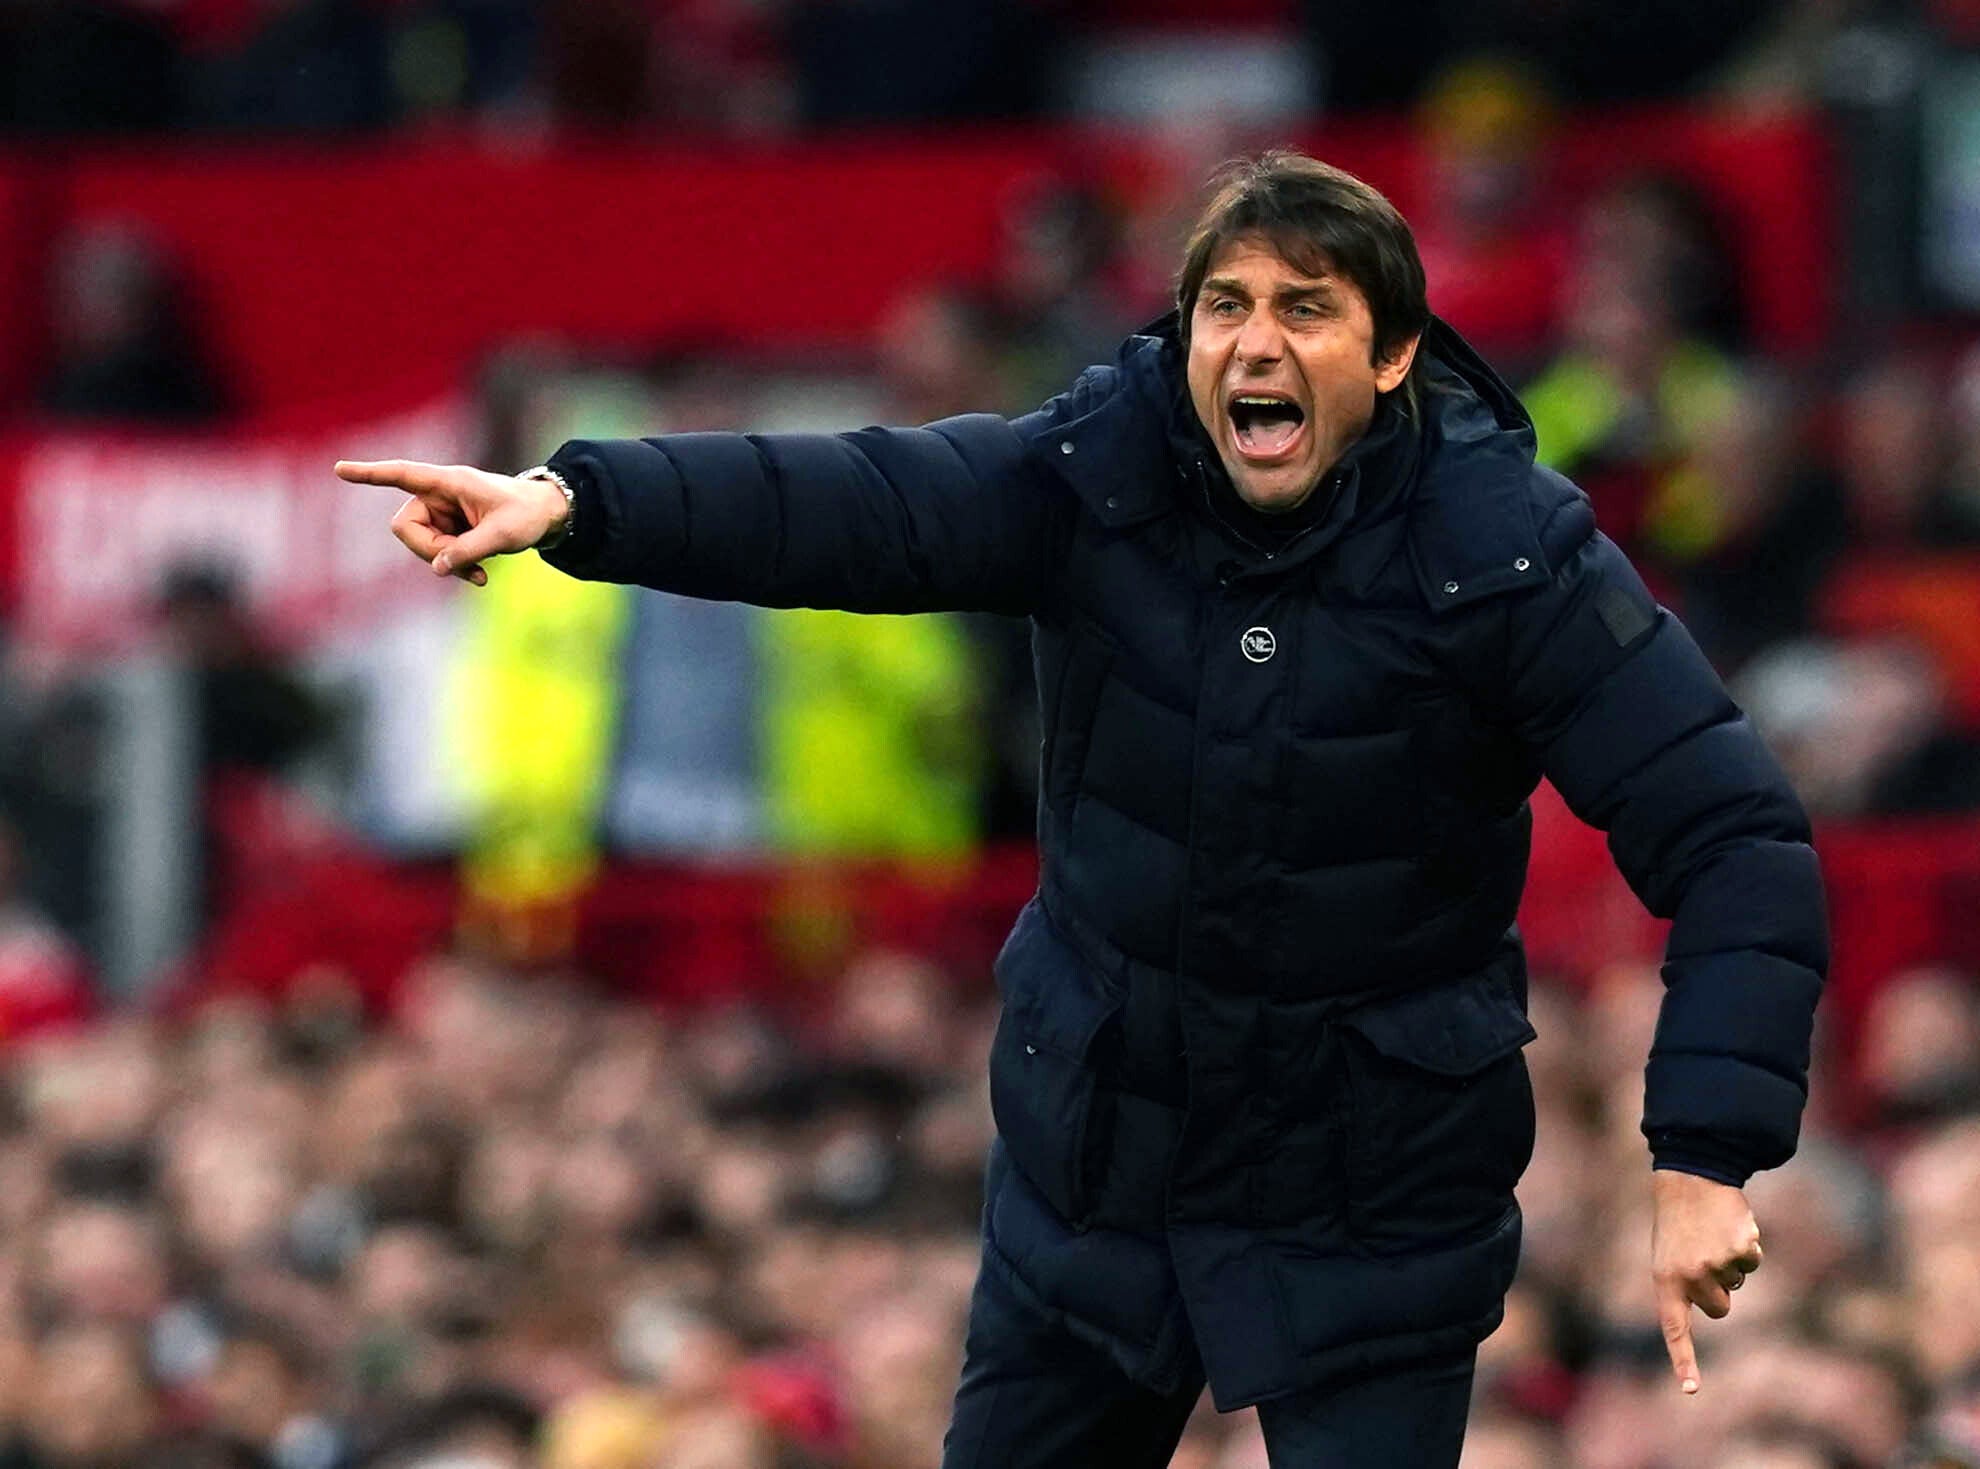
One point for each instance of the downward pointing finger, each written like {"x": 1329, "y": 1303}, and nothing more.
{"x": 1674, "y": 1315}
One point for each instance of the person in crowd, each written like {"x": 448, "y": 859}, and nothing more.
{"x": 1921, "y": 1047}
{"x": 1896, "y": 458}
{"x": 1862, "y": 726}
{"x": 469, "y": 1425}
{"x": 44, "y": 978}
{"x": 1750, "y": 529}
{"x": 89, "y": 1404}
{"x": 1063, "y": 294}
{"x": 254, "y": 713}
{"x": 124, "y": 345}
{"x": 1587, "y": 50}
{"x": 1283, "y": 516}
{"x": 1493, "y": 229}
{"x": 256, "y": 719}
{"x": 1622, "y": 409}
{"x": 264, "y": 1392}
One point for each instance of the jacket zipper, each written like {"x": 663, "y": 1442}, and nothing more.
{"x": 1210, "y": 504}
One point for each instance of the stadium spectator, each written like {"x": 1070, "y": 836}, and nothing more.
{"x": 1896, "y": 457}
{"x": 254, "y": 713}
{"x": 125, "y": 348}
{"x": 264, "y": 1391}
{"x": 1063, "y": 292}
{"x": 1863, "y": 727}
{"x": 1921, "y": 1048}
{"x": 1750, "y": 529}
{"x": 44, "y": 978}
{"x": 938, "y": 353}
{"x": 1493, "y": 232}
{"x": 256, "y": 719}
{"x": 1623, "y": 409}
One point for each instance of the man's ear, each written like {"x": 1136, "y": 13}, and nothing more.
{"x": 1390, "y": 372}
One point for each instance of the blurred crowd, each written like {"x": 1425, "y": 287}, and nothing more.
{"x": 757, "y": 67}
{"x": 521, "y": 1224}
{"x": 750, "y": 67}
{"x": 517, "y": 1223}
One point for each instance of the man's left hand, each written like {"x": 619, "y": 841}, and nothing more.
{"x": 1704, "y": 1242}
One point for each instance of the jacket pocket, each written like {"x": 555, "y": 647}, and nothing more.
{"x": 1088, "y": 657}
{"x": 1440, "y": 1118}
{"x": 1059, "y": 1022}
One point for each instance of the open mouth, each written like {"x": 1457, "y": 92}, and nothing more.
{"x": 1265, "y": 426}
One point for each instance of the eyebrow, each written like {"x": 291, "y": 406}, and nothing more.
{"x": 1229, "y": 286}
{"x": 1323, "y": 287}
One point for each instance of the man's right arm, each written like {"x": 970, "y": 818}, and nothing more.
{"x": 956, "y": 516}
{"x": 951, "y": 516}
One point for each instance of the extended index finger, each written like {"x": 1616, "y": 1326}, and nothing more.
{"x": 1674, "y": 1315}
{"x": 409, "y": 475}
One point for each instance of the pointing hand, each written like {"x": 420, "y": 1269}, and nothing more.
{"x": 1703, "y": 1244}
{"x": 459, "y": 516}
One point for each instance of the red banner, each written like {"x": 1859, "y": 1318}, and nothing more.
{"x": 99, "y": 520}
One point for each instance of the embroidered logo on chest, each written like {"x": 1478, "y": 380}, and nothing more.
{"x": 1258, "y": 644}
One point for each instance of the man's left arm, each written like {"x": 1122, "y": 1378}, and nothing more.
{"x": 1634, "y": 728}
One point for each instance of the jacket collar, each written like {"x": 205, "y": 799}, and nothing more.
{"x": 1117, "y": 456}
{"x": 1471, "y": 531}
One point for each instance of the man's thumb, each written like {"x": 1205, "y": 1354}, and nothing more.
{"x": 463, "y": 553}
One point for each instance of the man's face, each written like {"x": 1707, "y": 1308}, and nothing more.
{"x": 1281, "y": 371}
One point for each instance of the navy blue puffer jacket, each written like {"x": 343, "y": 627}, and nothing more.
{"x": 1258, "y": 1082}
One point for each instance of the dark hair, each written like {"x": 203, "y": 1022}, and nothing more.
{"x": 1320, "y": 219}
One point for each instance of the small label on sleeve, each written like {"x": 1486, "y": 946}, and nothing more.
{"x": 1625, "y": 616}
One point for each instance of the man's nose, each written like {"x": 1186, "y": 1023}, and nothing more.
{"x": 1259, "y": 340}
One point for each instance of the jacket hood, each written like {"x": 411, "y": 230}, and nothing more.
{"x": 1472, "y": 531}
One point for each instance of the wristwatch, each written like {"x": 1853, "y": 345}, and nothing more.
{"x": 561, "y": 533}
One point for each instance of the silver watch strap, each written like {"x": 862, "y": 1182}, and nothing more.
{"x": 561, "y": 533}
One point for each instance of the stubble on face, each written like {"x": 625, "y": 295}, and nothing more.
{"x": 1282, "y": 371}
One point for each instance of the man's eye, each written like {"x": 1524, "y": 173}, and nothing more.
{"x": 1305, "y": 311}
{"x": 1225, "y": 306}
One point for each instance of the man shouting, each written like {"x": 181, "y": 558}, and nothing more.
{"x": 1309, "y": 625}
